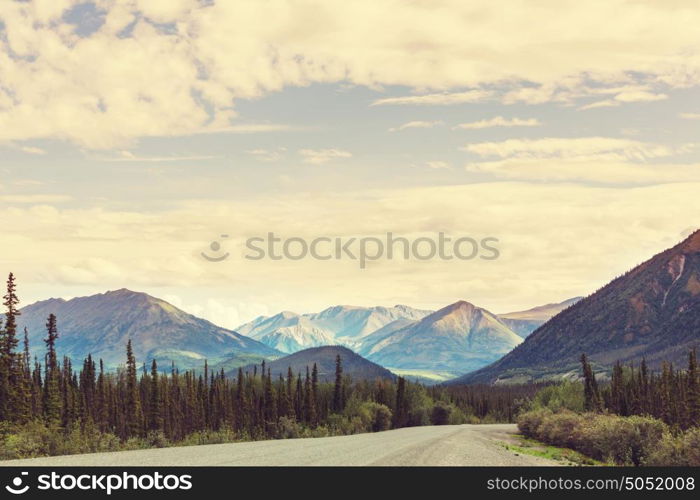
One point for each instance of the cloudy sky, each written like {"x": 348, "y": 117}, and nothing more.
{"x": 133, "y": 133}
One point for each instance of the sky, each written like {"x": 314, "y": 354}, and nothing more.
{"x": 133, "y": 134}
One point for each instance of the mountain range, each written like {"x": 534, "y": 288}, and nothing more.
{"x": 456, "y": 339}
{"x": 339, "y": 325}
{"x": 650, "y": 312}
{"x": 102, "y": 324}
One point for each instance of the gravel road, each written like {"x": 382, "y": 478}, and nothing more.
{"x": 454, "y": 445}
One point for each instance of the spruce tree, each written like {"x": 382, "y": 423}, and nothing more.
{"x": 24, "y": 408}
{"x": 155, "y": 418}
{"x": 338, "y": 399}
{"x": 291, "y": 413}
{"x": 102, "y": 400}
{"x": 314, "y": 397}
{"x": 4, "y": 377}
{"x": 270, "y": 403}
{"x": 51, "y": 396}
{"x": 299, "y": 401}
{"x": 693, "y": 392}
{"x": 68, "y": 408}
{"x": 309, "y": 403}
{"x": 13, "y": 406}
{"x": 133, "y": 402}
{"x": 401, "y": 410}
{"x": 592, "y": 400}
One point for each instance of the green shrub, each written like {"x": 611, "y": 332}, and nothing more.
{"x": 380, "y": 416}
{"x": 289, "y": 428}
{"x": 367, "y": 416}
{"x": 558, "y": 428}
{"x": 691, "y": 447}
{"x": 683, "y": 450}
{"x": 623, "y": 440}
{"x": 563, "y": 396}
{"x": 440, "y": 414}
{"x": 530, "y": 422}
{"x": 611, "y": 438}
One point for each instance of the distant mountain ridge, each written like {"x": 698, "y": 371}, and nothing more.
{"x": 652, "y": 311}
{"x": 354, "y": 365}
{"x": 525, "y": 322}
{"x": 338, "y": 325}
{"x": 102, "y": 324}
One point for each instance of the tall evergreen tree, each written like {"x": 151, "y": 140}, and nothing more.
{"x": 133, "y": 399}
{"x": 309, "y": 403}
{"x": 270, "y": 411}
{"x": 591, "y": 394}
{"x": 299, "y": 401}
{"x": 51, "y": 396}
{"x": 401, "y": 410}
{"x": 314, "y": 397}
{"x": 68, "y": 408}
{"x": 155, "y": 418}
{"x": 291, "y": 412}
{"x": 693, "y": 392}
{"x": 24, "y": 407}
{"x": 12, "y": 406}
{"x": 338, "y": 390}
{"x": 102, "y": 400}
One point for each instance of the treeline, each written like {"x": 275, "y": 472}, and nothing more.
{"x": 671, "y": 395}
{"x": 488, "y": 403}
{"x": 636, "y": 418}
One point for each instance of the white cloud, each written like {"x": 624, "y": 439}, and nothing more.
{"x": 607, "y": 103}
{"x": 437, "y": 164}
{"x": 183, "y": 65}
{"x": 624, "y": 95}
{"x": 267, "y": 154}
{"x": 321, "y": 156}
{"x": 588, "y": 170}
{"x": 640, "y": 96}
{"x": 32, "y": 150}
{"x": 128, "y": 156}
{"x": 246, "y": 128}
{"x": 499, "y": 121}
{"x": 587, "y": 159}
{"x": 690, "y": 116}
{"x": 442, "y": 99}
{"x": 416, "y": 124}
{"x": 599, "y": 148}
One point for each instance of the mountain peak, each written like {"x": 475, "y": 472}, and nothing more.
{"x": 460, "y": 305}
{"x": 288, "y": 315}
{"x": 124, "y": 292}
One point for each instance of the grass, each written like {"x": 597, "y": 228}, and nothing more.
{"x": 528, "y": 446}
